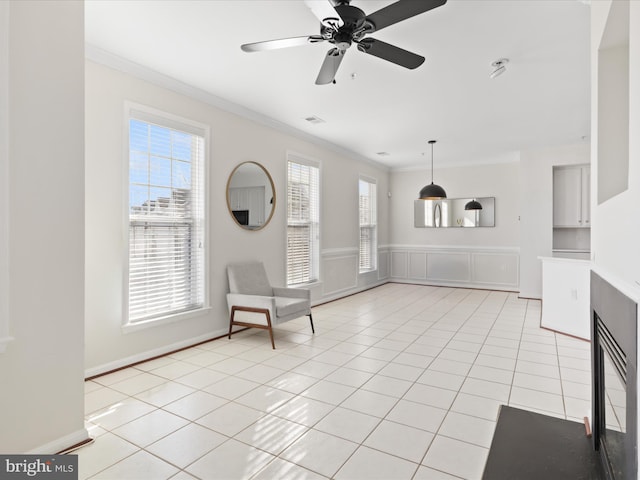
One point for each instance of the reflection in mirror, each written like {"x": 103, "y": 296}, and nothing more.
{"x": 251, "y": 196}
{"x": 451, "y": 212}
{"x": 437, "y": 215}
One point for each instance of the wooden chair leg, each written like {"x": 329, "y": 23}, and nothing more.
{"x": 264, "y": 311}
{"x": 231, "y": 316}
{"x": 311, "y": 320}
{"x": 273, "y": 344}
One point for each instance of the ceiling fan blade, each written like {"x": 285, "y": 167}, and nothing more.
{"x": 330, "y": 66}
{"x": 281, "y": 43}
{"x": 390, "y": 53}
{"x": 401, "y": 10}
{"x": 323, "y": 10}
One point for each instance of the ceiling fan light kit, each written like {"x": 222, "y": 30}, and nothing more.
{"x": 342, "y": 24}
{"x": 432, "y": 191}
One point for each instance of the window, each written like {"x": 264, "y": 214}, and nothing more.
{"x": 368, "y": 225}
{"x": 303, "y": 222}
{"x": 166, "y": 261}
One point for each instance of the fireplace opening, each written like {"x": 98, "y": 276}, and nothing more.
{"x": 614, "y": 358}
{"x": 612, "y": 385}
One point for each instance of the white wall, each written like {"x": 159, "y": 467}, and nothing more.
{"x": 498, "y": 180}
{"x": 536, "y": 208}
{"x": 234, "y": 139}
{"x": 484, "y": 257}
{"x": 42, "y": 398}
{"x": 616, "y": 229}
{"x": 4, "y": 175}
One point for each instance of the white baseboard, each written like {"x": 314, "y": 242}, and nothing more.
{"x": 61, "y": 443}
{"x": 350, "y": 291}
{"x": 530, "y": 295}
{"x": 156, "y": 352}
{"x": 436, "y": 283}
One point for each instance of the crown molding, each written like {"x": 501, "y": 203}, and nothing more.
{"x": 497, "y": 159}
{"x": 108, "y": 59}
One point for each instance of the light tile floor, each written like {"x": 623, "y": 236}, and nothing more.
{"x": 399, "y": 382}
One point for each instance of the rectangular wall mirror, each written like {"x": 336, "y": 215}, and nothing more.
{"x": 450, "y": 212}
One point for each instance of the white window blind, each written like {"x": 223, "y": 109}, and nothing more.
{"x": 303, "y": 225}
{"x": 368, "y": 225}
{"x": 166, "y": 219}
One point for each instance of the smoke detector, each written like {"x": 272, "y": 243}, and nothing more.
{"x": 499, "y": 67}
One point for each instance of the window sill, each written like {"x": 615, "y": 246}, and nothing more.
{"x": 160, "y": 321}
{"x": 313, "y": 283}
{"x": 365, "y": 272}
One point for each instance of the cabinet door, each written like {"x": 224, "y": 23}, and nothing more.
{"x": 235, "y": 198}
{"x": 256, "y": 205}
{"x": 567, "y": 198}
{"x": 586, "y": 196}
{"x": 565, "y": 297}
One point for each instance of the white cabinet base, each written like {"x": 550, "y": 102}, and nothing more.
{"x": 566, "y": 296}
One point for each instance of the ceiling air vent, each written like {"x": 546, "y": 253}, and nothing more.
{"x": 315, "y": 120}
{"x": 383, "y": 154}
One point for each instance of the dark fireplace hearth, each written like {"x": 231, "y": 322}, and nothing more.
{"x": 614, "y": 357}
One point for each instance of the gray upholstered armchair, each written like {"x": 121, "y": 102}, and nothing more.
{"x": 260, "y": 305}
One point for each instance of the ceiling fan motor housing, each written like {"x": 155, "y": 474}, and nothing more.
{"x": 341, "y": 39}
{"x": 354, "y": 27}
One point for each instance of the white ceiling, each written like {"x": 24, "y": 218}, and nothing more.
{"x": 542, "y": 99}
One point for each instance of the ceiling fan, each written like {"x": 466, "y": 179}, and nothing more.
{"x": 343, "y": 24}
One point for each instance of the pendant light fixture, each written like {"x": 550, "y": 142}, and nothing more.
{"x": 473, "y": 205}
{"x": 432, "y": 191}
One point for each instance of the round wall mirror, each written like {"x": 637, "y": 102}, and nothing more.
{"x": 251, "y": 196}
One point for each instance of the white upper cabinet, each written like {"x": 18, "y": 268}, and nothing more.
{"x": 251, "y": 199}
{"x": 571, "y": 196}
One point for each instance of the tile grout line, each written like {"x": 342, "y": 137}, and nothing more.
{"x": 402, "y": 315}
{"x": 466, "y": 376}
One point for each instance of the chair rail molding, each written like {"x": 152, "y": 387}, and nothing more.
{"x": 456, "y": 266}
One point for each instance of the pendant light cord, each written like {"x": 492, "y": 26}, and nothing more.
{"x": 431, "y": 142}
{"x": 431, "y": 162}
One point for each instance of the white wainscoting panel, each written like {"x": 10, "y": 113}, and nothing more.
{"x": 339, "y": 270}
{"x": 495, "y": 268}
{"x": 449, "y": 266}
{"x": 383, "y": 263}
{"x": 486, "y": 267}
{"x": 399, "y": 264}
{"x": 418, "y": 265}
